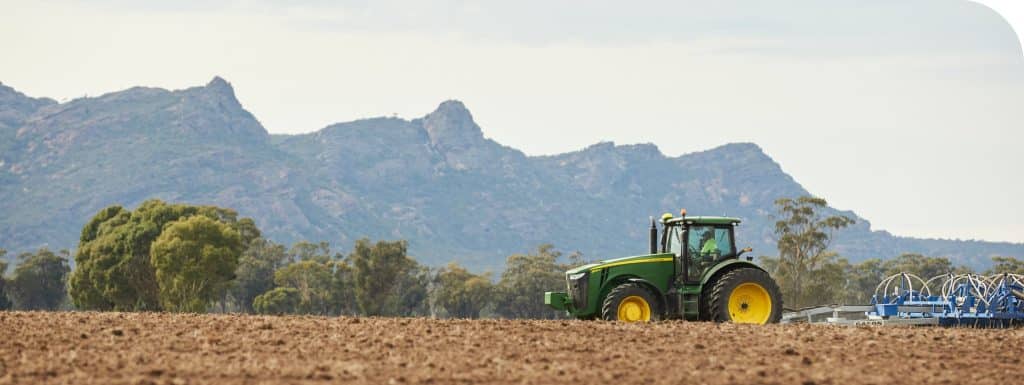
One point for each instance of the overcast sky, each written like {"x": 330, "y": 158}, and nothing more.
{"x": 908, "y": 113}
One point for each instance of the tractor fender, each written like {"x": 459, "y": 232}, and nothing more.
{"x": 658, "y": 293}
{"x": 725, "y": 267}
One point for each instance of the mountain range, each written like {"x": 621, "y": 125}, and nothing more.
{"x": 436, "y": 181}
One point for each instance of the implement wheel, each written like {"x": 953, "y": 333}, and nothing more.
{"x": 630, "y": 302}
{"x": 745, "y": 295}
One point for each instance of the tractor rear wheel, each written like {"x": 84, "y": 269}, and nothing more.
{"x": 745, "y": 295}
{"x": 630, "y": 302}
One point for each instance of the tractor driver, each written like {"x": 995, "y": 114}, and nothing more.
{"x": 709, "y": 246}
{"x": 703, "y": 250}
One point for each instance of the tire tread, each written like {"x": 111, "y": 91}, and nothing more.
{"x": 718, "y": 304}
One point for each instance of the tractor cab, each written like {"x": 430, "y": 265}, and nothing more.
{"x": 697, "y": 244}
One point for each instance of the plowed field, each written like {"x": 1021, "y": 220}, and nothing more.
{"x": 135, "y": 348}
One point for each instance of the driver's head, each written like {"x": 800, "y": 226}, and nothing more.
{"x": 707, "y": 235}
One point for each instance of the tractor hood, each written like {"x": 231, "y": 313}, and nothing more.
{"x": 618, "y": 261}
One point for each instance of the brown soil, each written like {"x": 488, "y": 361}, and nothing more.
{"x": 138, "y": 348}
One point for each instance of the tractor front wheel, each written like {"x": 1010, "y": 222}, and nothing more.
{"x": 745, "y": 295}
{"x": 630, "y": 302}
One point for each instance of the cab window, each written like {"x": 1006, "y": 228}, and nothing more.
{"x": 705, "y": 245}
{"x": 675, "y": 241}
{"x": 710, "y": 241}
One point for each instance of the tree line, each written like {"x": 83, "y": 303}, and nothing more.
{"x": 187, "y": 258}
{"x": 809, "y": 273}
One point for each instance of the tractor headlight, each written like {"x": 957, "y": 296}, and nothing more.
{"x": 573, "y": 277}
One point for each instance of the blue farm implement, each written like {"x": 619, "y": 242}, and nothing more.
{"x": 906, "y": 299}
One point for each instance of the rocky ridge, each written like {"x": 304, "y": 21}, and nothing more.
{"x": 436, "y": 181}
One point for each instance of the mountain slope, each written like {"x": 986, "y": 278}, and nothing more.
{"x": 436, "y": 181}
{"x": 15, "y": 108}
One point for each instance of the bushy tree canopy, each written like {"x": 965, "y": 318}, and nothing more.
{"x": 1006, "y": 265}
{"x": 313, "y": 281}
{"x": 920, "y": 265}
{"x": 309, "y": 251}
{"x": 113, "y": 262}
{"x": 524, "y": 281}
{"x": 386, "y": 281}
{"x": 280, "y": 300}
{"x": 192, "y": 258}
{"x": 255, "y": 273}
{"x": 39, "y": 280}
{"x": 342, "y": 290}
{"x": 461, "y": 293}
{"x": 859, "y": 281}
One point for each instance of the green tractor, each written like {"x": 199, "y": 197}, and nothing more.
{"x": 693, "y": 272}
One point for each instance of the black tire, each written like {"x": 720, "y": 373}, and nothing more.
{"x": 722, "y": 289}
{"x": 705, "y": 299}
{"x": 610, "y": 306}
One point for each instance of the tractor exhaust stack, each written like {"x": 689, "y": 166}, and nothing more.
{"x": 654, "y": 237}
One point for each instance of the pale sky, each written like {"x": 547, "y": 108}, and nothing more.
{"x": 908, "y": 112}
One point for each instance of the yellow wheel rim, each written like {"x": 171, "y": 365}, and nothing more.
{"x": 750, "y": 303}
{"x": 634, "y": 309}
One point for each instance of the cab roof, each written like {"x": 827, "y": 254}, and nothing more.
{"x": 703, "y": 220}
